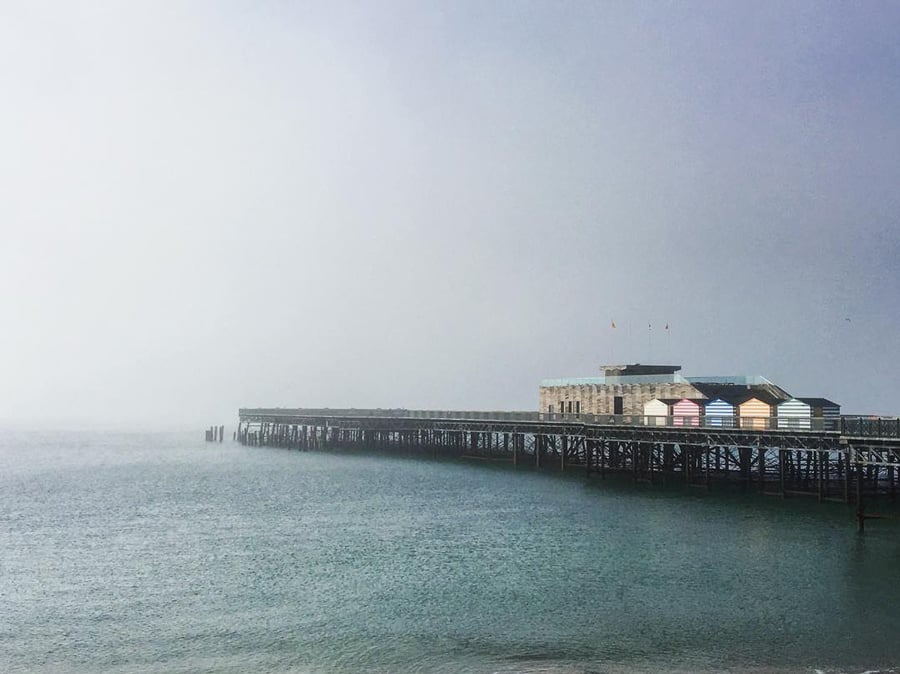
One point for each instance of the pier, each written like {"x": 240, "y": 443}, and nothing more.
{"x": 850, "y": 459}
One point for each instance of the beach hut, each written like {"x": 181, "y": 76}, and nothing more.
{"x": 686, "y": 412}
{"x": 657, "y": 411}
{"x": 794, "y": 413}
{"x": 755, "y": 411}
{"x": 829, "y": 412}
{"x": 719, "y": 412}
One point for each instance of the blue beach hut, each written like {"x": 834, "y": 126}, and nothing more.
{"x": 719, "y": 412}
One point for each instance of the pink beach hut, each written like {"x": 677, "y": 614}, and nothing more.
{"x": 686, "y": 412}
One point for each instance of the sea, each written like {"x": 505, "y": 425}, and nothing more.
{"x": 160, "y": 552}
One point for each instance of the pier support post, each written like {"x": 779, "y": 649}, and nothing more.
{"x": 744, "y": 453}
{"x": 761, "y": 468}
{"x": 781, "y": 468}
{"x": 892, "y": 484}
{"x": 860, "y": 505}
{"x": 820, "y": 475}
{"x": 845, "y": 459}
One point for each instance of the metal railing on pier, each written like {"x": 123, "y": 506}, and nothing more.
{"x": 852, "y": 426}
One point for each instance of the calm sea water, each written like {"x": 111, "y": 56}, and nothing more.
{"x": 161, "y": 553}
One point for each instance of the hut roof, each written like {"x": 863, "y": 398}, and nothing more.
{"x": 763, "y": 396}
{"x": 730, "y": 397}
{"x": 667, "y": 401}
{"x": 795, "y": 400}
{"x": 819, "y": 402}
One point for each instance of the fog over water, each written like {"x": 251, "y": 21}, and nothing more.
{"x": 213, "y": 204}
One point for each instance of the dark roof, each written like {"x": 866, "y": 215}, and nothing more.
{"x": 731, "y": 400}
{"x": 763, "y": 396}
{"x": 637, "y": 368}
{"x": 727, "y": 392}
{"x": 819, "y": 402}
{"x": 738, "y": 393}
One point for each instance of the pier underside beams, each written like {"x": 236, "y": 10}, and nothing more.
{"x": 822, "y": 465}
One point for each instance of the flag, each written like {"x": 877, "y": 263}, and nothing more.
{"x": 612, "y": 325}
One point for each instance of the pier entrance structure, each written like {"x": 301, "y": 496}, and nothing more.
{"x": 847, "y": 459}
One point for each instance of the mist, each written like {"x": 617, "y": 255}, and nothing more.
{"x": 434, "y": 205}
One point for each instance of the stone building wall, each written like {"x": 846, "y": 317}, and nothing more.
{"x": 599, "y": 398}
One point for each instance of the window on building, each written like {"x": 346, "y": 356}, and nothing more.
{"x": 569, "y": 406}
{"x": 577, "y": 407}
{"x": 562, "y": 407}
{"x": 618, "y": 405}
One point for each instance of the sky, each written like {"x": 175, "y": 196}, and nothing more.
{"x": 434, "y": 205}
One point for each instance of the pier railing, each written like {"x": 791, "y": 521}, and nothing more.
{"x": 871, "y": 427}
{"x": 853, "y": 426}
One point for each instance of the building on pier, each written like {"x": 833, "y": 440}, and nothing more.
{"x": 627, "y": 389}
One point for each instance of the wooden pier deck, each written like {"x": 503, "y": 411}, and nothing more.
{"x": 851, "y": 459}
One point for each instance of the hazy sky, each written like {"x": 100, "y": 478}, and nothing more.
{"x": 208, "y": 205}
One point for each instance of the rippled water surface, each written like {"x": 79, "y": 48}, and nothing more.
{"x": 161, "y": 553}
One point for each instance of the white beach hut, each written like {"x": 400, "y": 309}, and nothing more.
{"x": 794, "y": 414}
